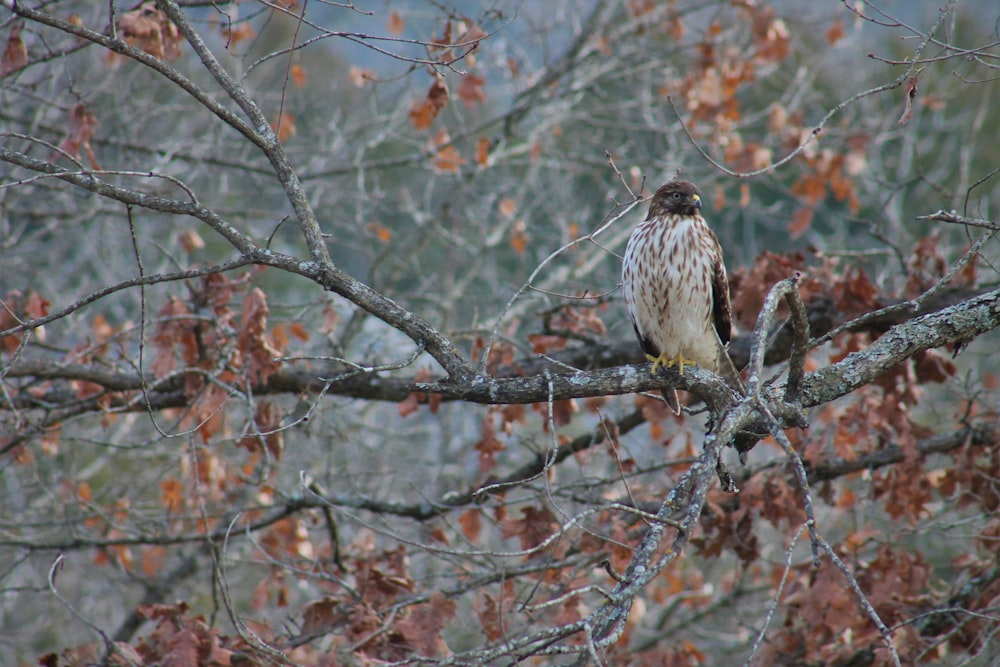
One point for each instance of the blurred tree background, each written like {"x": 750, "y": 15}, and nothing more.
{"x": 221, "y": 443}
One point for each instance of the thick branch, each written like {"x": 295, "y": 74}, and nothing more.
{"x": 958, "y": 324}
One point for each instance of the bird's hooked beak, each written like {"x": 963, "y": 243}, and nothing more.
{"x": 696, "y": 201}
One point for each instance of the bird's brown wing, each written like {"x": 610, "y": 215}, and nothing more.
{"x": 721, "y": 311}
{"x": 722, "y": 314}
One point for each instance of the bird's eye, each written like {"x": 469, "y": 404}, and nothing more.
{"x": 676, "y": 195}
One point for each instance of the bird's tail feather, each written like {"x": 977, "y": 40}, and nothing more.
{"x": 672, "y": 401}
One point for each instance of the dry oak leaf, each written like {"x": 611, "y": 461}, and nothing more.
{"x": 535, "y": 526}
{"x": 423, "y": 113}
{"x": 471, "y": 91}
{"x": 82, "y": 124}
{"x": 149, "y": 29}
{"x": 15, "y": 54}
{"x": 396, "y": 24}
{"x": 423, "y": 625}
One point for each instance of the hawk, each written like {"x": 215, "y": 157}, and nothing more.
{"x": 675, "y": 286}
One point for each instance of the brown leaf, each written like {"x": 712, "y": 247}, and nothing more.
{"x": 448, "y": 160}
{"x": 383, "y": 233}
{"x": 298, "y": 75}
{"x": 320, "y": 615}
{"x": 932, "y": 366}
{"x": 471, "y": 90}
{"x": 423, "y": 113}
{"x": 801, "y": 221}
{"x": 911, "y": 94}
{"x": 299, "y": 331}
{"x": 488, "y": 446}
{"x": 519, "y": 237}
{"x": 542, "y": 343}
{"x": 507, "y": 207}
{"x": 238, "y": 33}
{"x": 173, "y": 330}
{"x": 15, "y": 55}
{"x": 172, "y": 494}
{"x": 835, "y": 33}
{"x": 490, "y": 619}
{"x": 423, "y": 625}
{"x": 182, "y": 649}
{"x": 82, "y": 125}
{"x": 284, "y": 126}
{"x": 256, "y": 351}
{"x": 330, "y": 319}
{"x": 483, "y": 152}
{"x": 149, "y": 29}
{"x": 471, "y": 523}
{"x": 534, "y": 527}
{"x": 396, "y": 23}
{"x": 408, "y": 405}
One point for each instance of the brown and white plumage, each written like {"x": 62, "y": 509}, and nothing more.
{"x": 675, "y": 286}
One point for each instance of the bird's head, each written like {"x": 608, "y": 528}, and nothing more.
{"x": 676, "y": 198}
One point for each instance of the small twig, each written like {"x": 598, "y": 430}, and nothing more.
{"x": 778, "y": 433}
{"x": 954, "y": 218}
{"x": 775, "y": 599}
{"x": 109, "y": 646}
{"x": 863, "y": 599}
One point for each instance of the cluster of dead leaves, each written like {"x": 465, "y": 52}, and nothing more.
{"x": 148, "y": 28}
{"x": 378, "y": 623}
{"x": 206, "y": 334}
{"x": 445, "y": 156}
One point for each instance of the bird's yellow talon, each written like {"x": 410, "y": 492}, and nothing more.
{"x": 669, "y": 362}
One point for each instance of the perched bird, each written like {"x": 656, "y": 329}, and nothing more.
{"x": 675, "y": 286}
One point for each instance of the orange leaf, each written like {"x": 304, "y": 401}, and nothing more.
{"x": 396, "y": 24}
{"x": 536, "y": 151}
{"x": 330, "y": 319}
{"x": 37, "y": 306}
{"x": 471, "y": 524}
{"x": 483, "y": 152}
{"x": 423, "y": 113}
{"x": 519, "y": 237}
{"x": 15, "y": 55}
{"x": 470, "y": 90}
{"x": 448, "y": 160}
{"x": 152, "y": 559}
{"x": 488, "y": 447}
{"x": 284, "y": 126}
{"x": 835, "y": 33}
{"x": 149, "y": 29}
{"x": 320, "y": 614}
{"x": 83, "y": 492}
{"x": 298, "y": 76}
{"x": 507, "y": 207}
{"x": 409, "y": 405}
{"x": 421, "y": 627}
{"x": 800, "y": 222}
{"x": 239, "y": 33}
{"x": 82, "y": 124}
{"x": 299, "y": 331}
{"x": 172, "y": 494}
{"x": 382, "y": 233}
